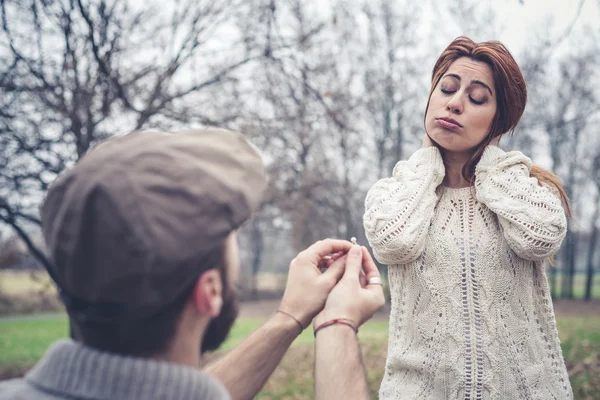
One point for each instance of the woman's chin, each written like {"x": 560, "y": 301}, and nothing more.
{"x": 450, "y": 142}
{"x": 453, "y": 142}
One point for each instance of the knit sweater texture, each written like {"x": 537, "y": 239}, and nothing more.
{"x": 471, "y": 313}
{"x": 72, "y": 371}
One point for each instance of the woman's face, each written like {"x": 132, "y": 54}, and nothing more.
{"x": 462, "y": 106}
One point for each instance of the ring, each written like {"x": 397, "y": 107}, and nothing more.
{"x": 374, "y": 281}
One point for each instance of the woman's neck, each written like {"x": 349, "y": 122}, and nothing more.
{"x": 454, "y": 163}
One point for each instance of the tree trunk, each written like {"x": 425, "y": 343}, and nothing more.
{"x": 569, "y": 267}
{"x": 553, "y": 288}
{"x": 564, "y": 292}
{"x": 399, "y": 138}
{"x": 35, "y": 251}
{"x": 572, "y": 263}
{"x": 589, "y": 278}
{"x": 257, "y": 247}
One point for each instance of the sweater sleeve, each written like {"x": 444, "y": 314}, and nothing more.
{"x": 531, "y": 216}
{"x": 399, "y": 210}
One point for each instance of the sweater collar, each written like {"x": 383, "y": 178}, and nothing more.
{"x": 73, "y": 370}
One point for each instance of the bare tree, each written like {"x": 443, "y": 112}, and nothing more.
{"x": 395, "y": 92}
{"x": 333, "y": 94}
{"x": 11, "y": 252}
{"x": 79, "y": 71}
{"x": 576, "y": 100}
{"x": 561, "y": 103}
{"x": 302, "y": 122}
{"x": 595, "y": 220}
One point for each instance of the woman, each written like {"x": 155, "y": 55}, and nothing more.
{"x": 465, "y": 228}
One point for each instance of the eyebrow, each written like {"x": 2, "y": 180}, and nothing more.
{"x": 473, "y": 82}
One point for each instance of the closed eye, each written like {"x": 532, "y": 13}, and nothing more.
{"x": 475, "y": 101}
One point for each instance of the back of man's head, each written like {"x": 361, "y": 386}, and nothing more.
{"x": 135, "y": 222}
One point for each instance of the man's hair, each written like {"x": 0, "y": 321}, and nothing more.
{"x": 152, "y": 335}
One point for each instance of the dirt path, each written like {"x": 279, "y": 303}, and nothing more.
{"x": 577, "y": 308}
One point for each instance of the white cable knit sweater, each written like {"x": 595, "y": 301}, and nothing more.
{"x": 471, "y": 311}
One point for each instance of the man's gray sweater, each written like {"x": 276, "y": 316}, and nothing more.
{"x": 70, "y": 370}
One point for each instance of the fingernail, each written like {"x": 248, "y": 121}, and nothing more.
{"x": 355, "y": 250}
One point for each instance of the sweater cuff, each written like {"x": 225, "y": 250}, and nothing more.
{"x": 491, "y": 154}
{"x": 430, "y": 156}
{"x": 495, "y": 158}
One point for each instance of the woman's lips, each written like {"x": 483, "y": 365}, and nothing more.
{"x": 448, "y": 123}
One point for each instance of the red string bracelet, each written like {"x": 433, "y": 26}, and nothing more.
{"x": 341, "y": 321}
{"x": 292, "y": 317}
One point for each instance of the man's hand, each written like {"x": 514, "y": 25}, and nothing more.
{"x": 307, "y": 288}
{"x": 352, "y": 298}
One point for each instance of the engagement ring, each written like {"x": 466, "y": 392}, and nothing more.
{"x": 374, "y": 281}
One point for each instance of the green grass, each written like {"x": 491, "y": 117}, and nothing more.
{"x": 580, "y": 342}
{"x": 580, "y": 336}
{"x": 24, "y": 341}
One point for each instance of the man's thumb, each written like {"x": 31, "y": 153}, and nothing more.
{"x": 354, "y": 261}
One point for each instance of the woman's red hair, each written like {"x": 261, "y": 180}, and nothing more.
{"x": 511, "y": 99}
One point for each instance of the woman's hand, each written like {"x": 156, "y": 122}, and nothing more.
{"x": 427, "y": 141}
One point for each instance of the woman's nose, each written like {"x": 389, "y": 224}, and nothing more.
{"x": 454, "y": 104}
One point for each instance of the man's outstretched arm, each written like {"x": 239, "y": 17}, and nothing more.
{"x": 245, "y": 369}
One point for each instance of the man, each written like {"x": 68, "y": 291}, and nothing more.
{"x": 141, "y": 233}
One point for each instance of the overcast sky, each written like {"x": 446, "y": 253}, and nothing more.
{"x": 521, "y": 20}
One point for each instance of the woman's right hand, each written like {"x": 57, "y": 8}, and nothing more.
{"x": 427, "y": 141}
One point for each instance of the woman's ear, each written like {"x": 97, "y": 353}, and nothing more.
{"x": 208, "y": 293}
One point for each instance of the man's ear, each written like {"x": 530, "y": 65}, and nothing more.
{"x": 208, "y": 293}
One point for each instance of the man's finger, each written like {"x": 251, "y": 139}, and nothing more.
{"x": 370, "y": 269}
{"x": 326, "y": 261}
{"x": 336, "y": 270}
{"x": 353, "y": 262}
{"x": 322, "y": 248}
{"x": 337, "y": 255}
{"x": 362, "y": 279}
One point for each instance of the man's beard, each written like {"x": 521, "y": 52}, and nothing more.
{"x": 218, "y": 329}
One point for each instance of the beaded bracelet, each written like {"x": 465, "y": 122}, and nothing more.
{"x": 341, "y": 321}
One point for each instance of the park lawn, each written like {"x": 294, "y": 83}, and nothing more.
{"x": 24, "y": 341}
{"x": 580, "y": 342}
{"x": 579, "y": 286}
